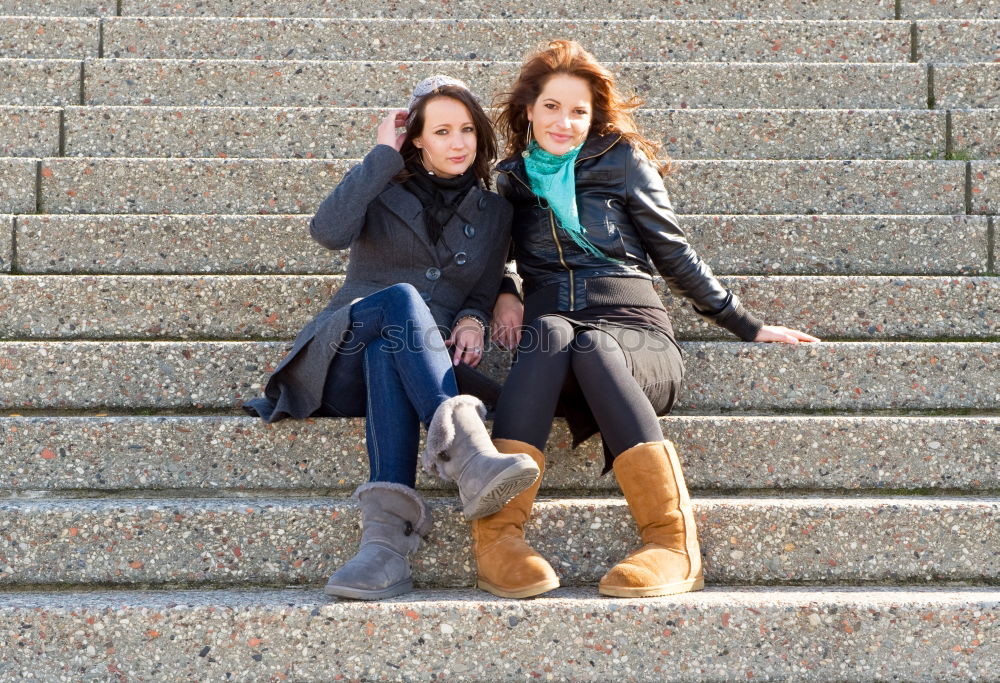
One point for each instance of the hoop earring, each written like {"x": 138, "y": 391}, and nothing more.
{"x": 527, "y": 142}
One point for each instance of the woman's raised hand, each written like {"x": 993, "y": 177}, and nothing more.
{"x": 508, "y": 316}
{"x": 786, "y": 335}
{"x": 387, "y": 135}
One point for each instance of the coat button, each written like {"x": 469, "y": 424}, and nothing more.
{"x": 461, "y": 257}
{"x": 426, "y": 296}
{"x": 482, "y": 202}
{"x": 470, "y": 230}
{"x": 433, "y": 273}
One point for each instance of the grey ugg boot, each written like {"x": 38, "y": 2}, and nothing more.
{"x": 393, "y": 518}
{"x": 459, "y": 449}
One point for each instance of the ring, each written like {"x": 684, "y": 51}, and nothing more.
{"x": 477, "y": 349}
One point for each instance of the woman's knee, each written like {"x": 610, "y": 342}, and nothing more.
{"x": 546, "y": 334}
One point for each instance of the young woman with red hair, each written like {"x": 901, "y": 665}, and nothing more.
{"x": 591, "y": 220}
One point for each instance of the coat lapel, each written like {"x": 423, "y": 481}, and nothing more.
{"x": 408, "y": 209}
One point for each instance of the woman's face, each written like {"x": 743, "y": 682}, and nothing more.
{"x": 560, "y": 117}
{"x": 447, "y": 143}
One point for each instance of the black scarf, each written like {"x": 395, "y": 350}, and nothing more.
{"x": 440, "y": 197}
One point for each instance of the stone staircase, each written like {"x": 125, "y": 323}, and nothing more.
{"x": 837, "y": 162}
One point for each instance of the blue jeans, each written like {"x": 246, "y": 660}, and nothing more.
{"x": 395, "y": 345}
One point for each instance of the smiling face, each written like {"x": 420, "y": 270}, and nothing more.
{"x": 447, "y": 143}
{"x": 560, "y": 116}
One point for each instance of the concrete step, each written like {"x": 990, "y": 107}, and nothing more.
{"x": 976, "y": 133}
{"x": 49, "y": 38}
{"x": 956, "y": 9}
{"x": 38, "y": 82}
{"x": 985, "y": 192}
{"x": 773, "y": 633}
{"x": 720, "y": 376}
{"x": 29, "y": 131}
{"x": 191, "y": 186}
{"x": 18, "y": 178}
{"x": 915, "y": 634}
{"x": 466, "y": 9}
{"x": 312, "y": 132}
{"x": 58, "y": 8}
{"x": 225, "y": 541}
{"x": 920, "y": 245}
{"x": 681, "y": 85}
{"x": 959, "y": 40}
{"x": 506, "y": 39}
{"x": 969, "y": 86}
{"x": 278, "y": 306}
{"x": 216, "y": 453}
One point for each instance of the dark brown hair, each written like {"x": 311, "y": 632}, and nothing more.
{"x": 612, "y": 112}
{"x": 486, "y": 143}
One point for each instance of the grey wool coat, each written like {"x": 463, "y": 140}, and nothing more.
{"x": 383, "y": 225}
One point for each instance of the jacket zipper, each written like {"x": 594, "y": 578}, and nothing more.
{"x": 555, "y": 238}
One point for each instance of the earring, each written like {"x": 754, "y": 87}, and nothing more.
{"x": 527, "y": 142}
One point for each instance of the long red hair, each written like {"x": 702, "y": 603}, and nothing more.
{"x": 611, "y": 111}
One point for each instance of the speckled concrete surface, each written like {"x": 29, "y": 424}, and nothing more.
{"x": 302, "y": 540}
{"x": 841, "y": 187}
{"x": 17, "y": 185}
{"x": 227, "y": 186}
{"x": 977, "y": 132}
{"x": 807, "y": 245}
{"x": 39, "y": 82}
{"x": 506, "y": 39}
{"x": 173, "y": 244}
{"x": 959, "y": 40}
{"x": 311, "y": 132}
{"x": 573, "y": 9}
{"x": 796, "y": 133}
{"x": 161, "y": 306}
{"x": 802, "y": 245}
{"x": 277, "y": 132}
{"x": 113, "y": 185}
{"x": 383, "y": 84}
{"x": 61, "y": 38}
{"x": 986, "y": 187}
{"x": 861, "y": 307}
{"x": 721, "y": 376}
{"x": 969, "y": 86}
{"x": 954, "y": 9}
{"x": 29, "y": 131}
{"x": 244, "y": 454}
{"x": 839, "y": 634}
{"x": 58, "y": 8}
{"x": 6, "y": 242}
{"x": 276, "y": 307}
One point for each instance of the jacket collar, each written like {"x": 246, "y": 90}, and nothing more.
{"x": 409, "y": 209}
{"x": 593, "y": 146}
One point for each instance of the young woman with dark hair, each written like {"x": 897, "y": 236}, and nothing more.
{"x": 427, "y": 244}
{"x": 591, "y": 220}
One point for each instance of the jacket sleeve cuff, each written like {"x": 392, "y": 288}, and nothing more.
{"x": 511, "y": 284}
{"x": 736, "y": 318}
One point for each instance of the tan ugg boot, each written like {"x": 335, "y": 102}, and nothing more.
{"x": 670, "y": 561}
{"x": 507, "y": 566}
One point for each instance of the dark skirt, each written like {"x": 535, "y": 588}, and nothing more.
{"x": 654, "y": 359}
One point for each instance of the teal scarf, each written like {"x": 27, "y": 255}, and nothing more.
{"x": 552, "y": 178}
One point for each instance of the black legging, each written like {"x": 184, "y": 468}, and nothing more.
{"x": 549, "y": 348}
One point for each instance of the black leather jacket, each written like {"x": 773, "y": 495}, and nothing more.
{"x": 626, "y": 212}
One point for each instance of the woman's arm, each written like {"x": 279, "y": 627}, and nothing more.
{"x": 341, "y": 217}
{"x": 683, "y": 270}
